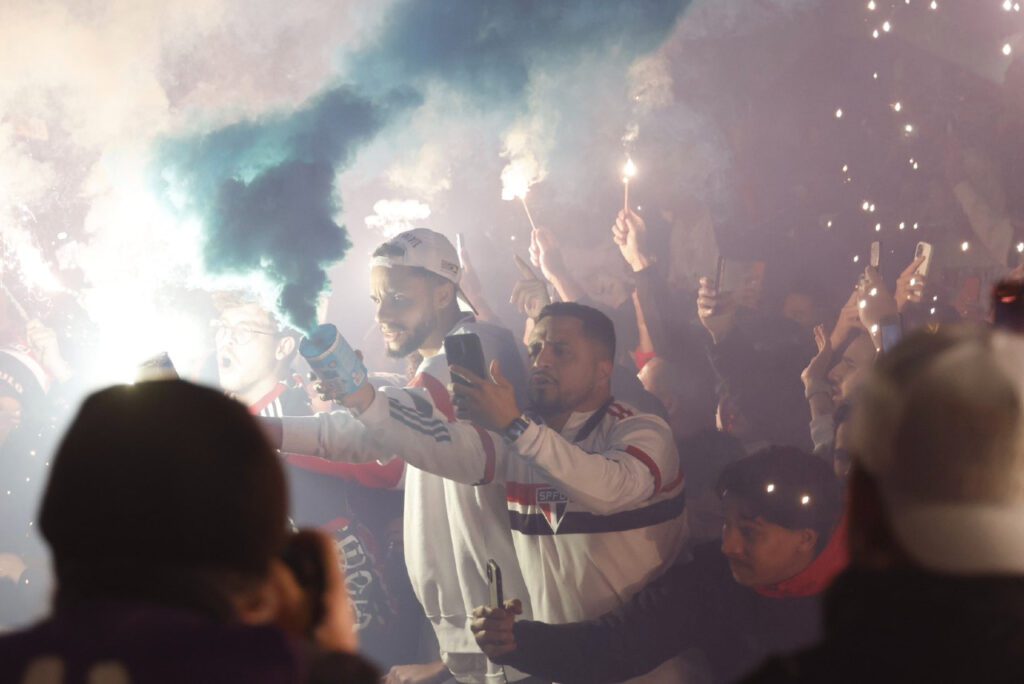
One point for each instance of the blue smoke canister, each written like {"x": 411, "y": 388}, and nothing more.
{"x": 333, "y": 361}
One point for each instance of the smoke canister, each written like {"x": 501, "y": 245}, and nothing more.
{"x": 333, "y": 361}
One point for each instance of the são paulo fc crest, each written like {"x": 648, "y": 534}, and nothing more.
{"x": 552, "y": 503}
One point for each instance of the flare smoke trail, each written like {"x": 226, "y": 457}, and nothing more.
{"x": 264, "y": 189}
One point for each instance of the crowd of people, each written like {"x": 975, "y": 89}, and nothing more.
{"x": 675, "y": 486}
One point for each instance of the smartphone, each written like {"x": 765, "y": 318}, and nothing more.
{"x": 876, "y": 254}
{"x": 465, "y": 350}
{"x": 719, "y": 272}
{"x": 1008, "y": 305}
{"x": 735, "y": 275}
{"x": 494, "y": 584}
{"x": 924, "y": 249}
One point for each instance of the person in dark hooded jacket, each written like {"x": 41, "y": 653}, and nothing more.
{"x": 755, "y": 593}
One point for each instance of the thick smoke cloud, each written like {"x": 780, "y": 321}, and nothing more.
{"x": 263, "y": 189}
{"x": 265, "y": 192}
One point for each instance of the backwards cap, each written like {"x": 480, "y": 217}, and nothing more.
{"x": 426, "y": 249}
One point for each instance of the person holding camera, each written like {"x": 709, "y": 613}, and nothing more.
{"x": 166, "y": 514}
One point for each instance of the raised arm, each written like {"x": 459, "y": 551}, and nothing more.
{"x": 641, "y": 463}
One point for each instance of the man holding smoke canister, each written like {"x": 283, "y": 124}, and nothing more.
{"x": 450, "y": 529}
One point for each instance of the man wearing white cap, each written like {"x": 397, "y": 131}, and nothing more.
{"x": 935, "y": 590}
{"x": 451, "y": 529}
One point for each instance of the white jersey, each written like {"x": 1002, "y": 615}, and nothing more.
{"x": 594, "y": 516}
{"x": 451, "y": 529}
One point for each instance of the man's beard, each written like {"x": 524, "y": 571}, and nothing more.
{"x": 550, "y": 403}
{"x": 416, "y": 339}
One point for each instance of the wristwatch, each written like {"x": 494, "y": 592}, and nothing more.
{"x": 516, "y": 428}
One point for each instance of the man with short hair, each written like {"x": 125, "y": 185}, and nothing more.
{"x": 594, "y": 491}
{"x": 166, "y": 512}
{"x": 450, "y": 529}
{"x": 935, "y": 588}
{"x": 255, "y": 356}
{"x": 753, "y": 593}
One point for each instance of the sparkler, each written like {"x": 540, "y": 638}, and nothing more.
{"x": 516, "y": 179}
{"x": 628, "y": 171}
{"x": 15, "y": 304}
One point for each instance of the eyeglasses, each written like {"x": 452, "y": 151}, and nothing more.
{"x": 236, "y": 334}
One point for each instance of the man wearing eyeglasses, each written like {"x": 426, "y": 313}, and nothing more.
{"x": 254, "y": 362}
{"x": 254, "y": 357}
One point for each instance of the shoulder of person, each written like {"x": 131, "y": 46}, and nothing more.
{"x": 625, "y": 416}
{"x": 490, "y": 334}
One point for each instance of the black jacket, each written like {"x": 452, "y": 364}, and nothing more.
{"x": 911, "y": 626}
{"x": 698, "y": 604}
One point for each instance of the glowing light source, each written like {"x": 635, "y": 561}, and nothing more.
{"x": 856, "y": 258}
{"x": 874, "y": 34}
{"x": 805, "y": 499}
{"x": 909, "y": 128}
{"x": 964, "y": 246}
{"x": 839, "y": 113}
{"x": 898, "y": 106}
{"x": 628, "y": 171}
{"x": 878, "y": 227}
{"x": 1007, "y": 5}
{"x": 903, "y": 225}
{"x": 934, "y": 5}
{"x": 887, "y": 27}
{"x": 1007, "y": 49}
{"x": 770, "y": 488}
{"x": 871, "y": 5}
{"x": 1020, "y": 247}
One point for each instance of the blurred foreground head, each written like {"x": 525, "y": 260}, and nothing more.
{"x": 161, "y": 479}
{"x": 939, "y": 458}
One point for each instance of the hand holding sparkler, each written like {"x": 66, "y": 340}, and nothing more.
{"x": 630, "y": 234}
{"x": 628, "y": 172}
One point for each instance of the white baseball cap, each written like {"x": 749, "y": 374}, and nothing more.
{"x": 426, "y": 249}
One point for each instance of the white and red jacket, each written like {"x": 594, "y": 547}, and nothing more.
{"x": 594, "y": 516}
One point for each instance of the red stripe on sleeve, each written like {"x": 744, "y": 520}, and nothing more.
{"x": 649, "y": 462}
{"x": 438, "y": 394}
{"x": 372, "y": 475}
